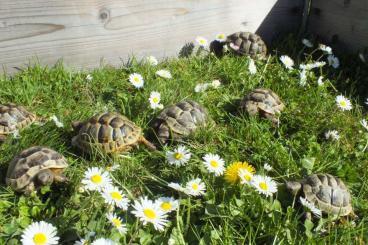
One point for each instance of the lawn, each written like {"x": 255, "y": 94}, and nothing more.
{"x": 226, "y": 213}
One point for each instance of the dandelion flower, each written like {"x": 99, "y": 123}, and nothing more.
{"x": 117, "y": 223}
{"x": 201, "y": 87}
{"x": 151, "y": 60}
{"x": 96, "y": 179}
{"x": 164, "y": 74}
{"x": 214, "y": 164}
{"x": 231, "y": 173}
{"x": 103, "y": 241}
{"x": 195, "y": 187}
{"x": 320, "y": 81}
{"x": 332, "y": 134}
{"x": 245, "y": 176}
{"x": 137, "y": 80}
{"x": 114, "y": 197}
{"x": 154, "y": 100}
{"x": 287, "y": 61}
{"x": 221, "y": 37}
{"x": 202, "y": 42}
{"x": 264, "y": 185}
{"x": 167, "y": 204}
{"x": 310, "y": 207}
{"x": 343, "y": 103}
{"x": 40, "y": 233}
{"x": 333, "y": 61}
{"x": 307, "y": 43}
{"x": 89, "y": 77}
{"x": 57, "y": 122}
{"x": 267, "y": 167}
{"x": 216, "y": 83}
{"x": 364, "y": 123}
{"x": 325, "y": 48}
{"x": 252, "y": 67}
{"x": 176, "y": 187}
{"x": 179, "y": 156}
{"x": 149, "y": 212}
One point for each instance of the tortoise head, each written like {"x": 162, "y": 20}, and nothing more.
{"x": 45, "y": 177}
{"x": 77, "y": 125}
{"x": 293, "y": 187}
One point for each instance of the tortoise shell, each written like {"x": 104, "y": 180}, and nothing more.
{"x": 263, "y": 102}
{"x": 328, "y": 193}
{"x": 247, "y": 43}
{"x": 14, "y": 117}
{"x": 179, "y": 120}
{"x": 110, "y": 132}
{"x": 26, "y": 165}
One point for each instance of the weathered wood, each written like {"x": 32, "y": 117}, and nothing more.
{"x": 84, "y": 32}
{"x": 342, "y": 22}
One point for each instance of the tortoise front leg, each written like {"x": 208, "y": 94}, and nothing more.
{"x": 147, "y": 143}
{"x": 29, "y": 189}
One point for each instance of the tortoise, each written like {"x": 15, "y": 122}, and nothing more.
{"x": 248, "y": 44}
{"x": 12, "y": 118}
{"x": 180, "y": 120}
{"x": 35, "y": 167}
{"x": 110, "y": 132}
{"x": 263, "y": 102}
{"x": 328, "y": 193}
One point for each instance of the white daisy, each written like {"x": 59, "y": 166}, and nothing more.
{"x": 114, "y": 197}
{"x": 117, "y": 223}
{"x": 167, "y": 204}
{"x": 312, "y": 65}
{"x": 364, "y": 123}
{"x": 264, "y": 185}
{"x": 287, "y": 61}
{"x": 164, "y": 74}
{"x": 201, "y": 87}
{"x": 343, "y": 103}
{"x": 252, "y": 67}
{"x": 154, "y": 100}
{"x": 307, "y": 43}
{"x": 40, "y": 233}
{"x": 202, "y": 42}
{"x": 214, "y": 164}
{"x": 333, "y": 61}
{"x": 57, "y": 122}
{"x": 267, "y": 167}
{"x": 332, "y": 134}
{"x": 221, "y": 37}
{"x": 103, "y": 241}
{"x": 151, "y": 60}
{"x": 149, "y": 212}
{"x": 366, "y": 101}
{"x": 303, "y": 78}
{"x": 325, "y": 48}
{"x": 179, "y": 156}
{"x": 310, "y": 207}
{"x": 81, "y": 242}
{"x": 195, "y": 187}
{"x": 89, "y": 77}
{"x": 176, "y": 186}
{"x": 216, "y": 83}
{"x": 96, "y": 179}
{"x": 137, "y": 80}
{"x": 362, "y": 58}
{"x": 320, "y": 81}
{"x": 245, "y": 176}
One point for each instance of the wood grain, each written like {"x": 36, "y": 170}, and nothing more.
{"x": 342, "y": 22}
{"x": 84, "y": 32}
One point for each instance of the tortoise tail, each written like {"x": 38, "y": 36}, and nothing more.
{"x": 147, "y": 143}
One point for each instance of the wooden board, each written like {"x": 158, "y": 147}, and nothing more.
{"x": 342, "y": 22}
{"x": 85, "y": 32}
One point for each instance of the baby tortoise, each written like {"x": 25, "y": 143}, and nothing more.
{"x": 326, "y": 192}
{"x": 35, "y": 167}
{"x": 12, "y": 118}
{"x": 263, "y": 102}
{"x": 247, "y": 43}
{"x": 110, "y": 132}
{"x": 180, "y": 120}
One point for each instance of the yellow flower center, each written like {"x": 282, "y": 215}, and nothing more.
{"x": 247, "y": 177}
{"x": 263, "y": 186}
{"x": 178, "y": 156}
{"x": 166, "y": 206}
{"x": 151, "y": 214}
{"x": 116, "y": 195}
{"x": 136, "y": 79}
{"x": 202, "y": 41}
{"x": 39, "y": 238}
{"x": 214, "y": 163}
{"x": 96, "y": 179}
{"x": 116, "y": 222}
{"x": 195, "y": 186}
{"x": 221, "y": 36}
{"x": 155, "y": 100}
{"x": 343, "y": 103}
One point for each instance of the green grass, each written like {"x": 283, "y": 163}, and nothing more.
{"x": 226, "y": 214}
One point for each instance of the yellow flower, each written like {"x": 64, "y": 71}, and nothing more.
{"x": 231, "y": 173}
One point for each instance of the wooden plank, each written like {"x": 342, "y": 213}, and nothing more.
{"x": 342, "y": 22}
{"x": 85, "y": 31}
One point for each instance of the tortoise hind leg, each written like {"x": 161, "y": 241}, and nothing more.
{"x": 147, "y": 143}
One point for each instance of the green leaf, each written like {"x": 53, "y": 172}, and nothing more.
{"x": 308, "y": 164}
